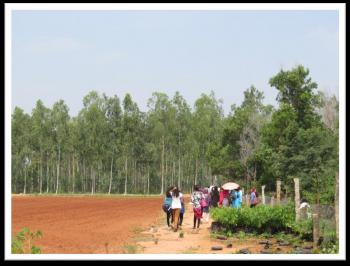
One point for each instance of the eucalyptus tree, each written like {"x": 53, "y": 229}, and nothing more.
{"x": 59, "y": 129}
{"x": 161, "y": 117}
{"x": 207, "y": 123}
{"x": 20, "y": 135}
{"x": 130, "y": 123}
{"x": 40, "y": 136}
{"x": 113, "y": 114}
{"x": 95, "y": 128}
{"x": 181, "y": 130}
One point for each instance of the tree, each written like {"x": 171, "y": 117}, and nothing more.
{"x": 40, "y": 135}
{"x": 59, "y": 129}
{"x": 296, "y": 88}
{"x": 131, "y": 120}
{"x": 20, "y": 134}
{"x": 161, "y": 116}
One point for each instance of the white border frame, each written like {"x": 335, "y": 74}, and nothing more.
{"x": 259, "y": 7}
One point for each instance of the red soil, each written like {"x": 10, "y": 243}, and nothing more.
{"x": 72, "y": 225}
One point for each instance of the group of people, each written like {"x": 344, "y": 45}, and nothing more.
{"x": 202, "y": 199}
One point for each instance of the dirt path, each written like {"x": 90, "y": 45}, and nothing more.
{"x": 159, "y": 239}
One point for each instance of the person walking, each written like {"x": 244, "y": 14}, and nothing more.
{"x": 196, "y": 199}
{"x": 205, "y": 205}
{"x": 214, "y": 197}
{"x": 237, "y": 202}
{"x": 167, "y": 205}
{"x": 253, "y": 198}
{"x": 182, "y": 212}
{"x": 224, "y": 194}
{"x": 176, "y": 207}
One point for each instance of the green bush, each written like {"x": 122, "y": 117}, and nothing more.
{"x": 23, "y": 242}
{"x": 261, "y": 219}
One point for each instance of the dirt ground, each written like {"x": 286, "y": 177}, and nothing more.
{"x": 159, "y": 239}
{"x": 117, "y": 225}
{"x": 84, "y": 224}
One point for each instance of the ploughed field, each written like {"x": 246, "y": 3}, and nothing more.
{"x": 83, "y": 224}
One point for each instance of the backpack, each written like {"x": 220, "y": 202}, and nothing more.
{"x": 166, "y": 204}
{"x": 165, "y": 207}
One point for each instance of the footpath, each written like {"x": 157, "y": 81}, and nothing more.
{"x": 160, "y": 239}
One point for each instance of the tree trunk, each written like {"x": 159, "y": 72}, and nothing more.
{"x": 25, "y": 180}
{"x": 126, "y": 176}
{"x": 110, "y": 178}
{"x": 47, "y": 176}
{"x": 179, "y": 174}
{"x": 92, "y": 180}
{"x": 58, "y": 168}
{"x": 84, "y": 176}
{"x": 73, "y": 173}
{"x": 162, "y": 184}
{"x": 196, "y": 173}
{"x": 41, "y": 173}
{"x": 148, "y": 180}
{"x": 69, "y": 174}
{"x": 173, "y": 174}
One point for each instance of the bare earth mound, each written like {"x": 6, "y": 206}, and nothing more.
{"x": 85, "y": 224}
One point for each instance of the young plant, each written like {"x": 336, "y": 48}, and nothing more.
{"x": 23, "y": 242}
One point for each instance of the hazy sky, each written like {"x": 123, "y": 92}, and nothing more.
{"x": 65, "y": 54}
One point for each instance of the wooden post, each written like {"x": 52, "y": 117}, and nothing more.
{"x": 263, "y": 194}
{"x": 278, "y": 190}
{"x": 336, "y": 203}
{"x": 316, "y": 229}
{"x": 297, "y": 199}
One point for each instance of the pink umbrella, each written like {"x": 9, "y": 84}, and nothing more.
{"x": 230, "y": 186}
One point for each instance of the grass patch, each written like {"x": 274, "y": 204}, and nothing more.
{"x": 144, "y": 237}
{"x": 132, "y": 249}
{"x": 136, "y": 229}
{"x": 191, "y": 250}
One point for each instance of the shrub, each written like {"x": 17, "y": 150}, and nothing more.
{"x": 23, "y": 242}
{"x": 262, "y": 219}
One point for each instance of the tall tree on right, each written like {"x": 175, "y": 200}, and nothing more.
{"x": 296, "y": 142}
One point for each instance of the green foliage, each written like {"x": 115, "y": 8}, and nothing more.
{"x": 113, "y": 147}
{"x": 23, "y": 243}
{"x": 263, "y": 220}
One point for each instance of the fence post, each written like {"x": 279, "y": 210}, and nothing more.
{"x": 336, "y": 203}
{"x": 316, "y": 229}
{"x": 278, "y": 190}
{"x": 297, "y": 199}
{"x": 263, "y": 194}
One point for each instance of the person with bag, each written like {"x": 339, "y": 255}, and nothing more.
{"x": 253, "y": 198}
{"x": 196, "y": 199}
{"x": 167, "y": 205}
{"x": 205, "y": 205}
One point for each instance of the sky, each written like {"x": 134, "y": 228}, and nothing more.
{"x": 66, "y": 54}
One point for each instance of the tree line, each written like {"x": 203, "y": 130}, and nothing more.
{"x": 113, "y": 147}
